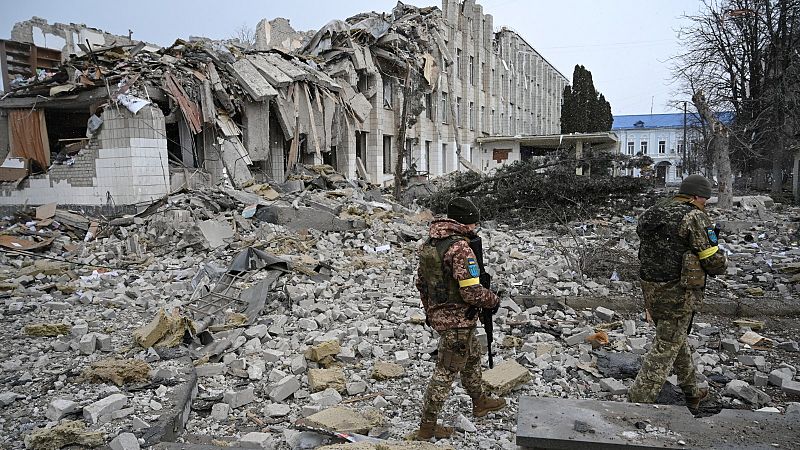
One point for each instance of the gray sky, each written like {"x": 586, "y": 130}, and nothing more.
{"x": 626, "y": 44}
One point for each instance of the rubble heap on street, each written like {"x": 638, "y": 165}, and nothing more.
{"x": 274, "y": 316}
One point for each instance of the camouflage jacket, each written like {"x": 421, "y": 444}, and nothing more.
{"x": 694, "y": 232}
{"x": 445, "y": 316}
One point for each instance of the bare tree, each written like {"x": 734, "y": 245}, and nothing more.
{"x": 246, "y": 36}
{"x": 741, "y": 54}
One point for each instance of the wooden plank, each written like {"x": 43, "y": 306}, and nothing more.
{"x": 252, "y": 81}
{"x": 207, "y": 103}
{"x": 272, "y": 74}
{"x": 219, "y": 90}
{"x": 286, "y": 67}
{"x": 227, "y": 126}
{"x": 190, "y": 110}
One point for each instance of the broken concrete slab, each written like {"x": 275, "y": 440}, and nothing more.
{"x": 125, "y": 441}
{"x": 386, "y": 370}
{"x": 551, "y": 423}
{"x": 321, "y": 379}
{"x": 340, "y": 419}
{"x": 743, "y": 391}
{"x": 66, "y": 433}
{"x": 506, "y": 376}
{"x": 217, "y": 233}
{"x": 107, "y": 405}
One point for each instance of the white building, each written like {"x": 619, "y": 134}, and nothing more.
{"x": 659, "y": 136}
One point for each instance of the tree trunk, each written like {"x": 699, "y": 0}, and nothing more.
{"x": 400, "y": 145}
{"x": 720, "y": 136}
{"x": 777, "y": 167}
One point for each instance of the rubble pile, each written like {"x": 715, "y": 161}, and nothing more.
{"x": 280, "y": 315}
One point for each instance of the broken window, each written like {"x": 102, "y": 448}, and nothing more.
{"x": 472, "y": 70}
{"x": 66, "y": 131}
{"x": 388, "y": 91}
{"x": 471, "y": 115}
{"x": 387, "y": 153}
{"x": 427, "y": 156}
{"x": 363, "y": 83}
{"x": 444, "y": 107}
{"x": 361, "y": 146}
{"x": 409, "y": 153}
{"x": 429, "y": 106}
{"x": 444, "y": 157}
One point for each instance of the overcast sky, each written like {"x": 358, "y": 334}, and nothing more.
{"x": 626, "y": 44}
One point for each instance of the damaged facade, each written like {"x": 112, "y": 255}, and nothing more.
{"x": 207, "y": 112}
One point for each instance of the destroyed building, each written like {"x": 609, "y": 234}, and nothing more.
{"x": 118, "y": 122}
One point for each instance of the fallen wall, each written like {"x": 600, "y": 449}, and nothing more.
{"x": 125, "y": 163}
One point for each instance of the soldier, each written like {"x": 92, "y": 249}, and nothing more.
{"x": 448, "y": 282}
{"x": 678, "y": 250}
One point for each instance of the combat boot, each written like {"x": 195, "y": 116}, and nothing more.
{"x": 693, "y": 402}
{"x": 429, "y": 430}
{"x": 484, "y": 405}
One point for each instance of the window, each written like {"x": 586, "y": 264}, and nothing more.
{"x": 631, "y": 145}
{"x": 643, "y": 147}
{"x": 445, "y": 112}
{"x": 409, "y": 153}
{"x": 458, "y": 63}
{"x": 492, "y": 122}
{"x": 444, "y": 158}
{"x": 458, "y": 111}
{"x": 471, "y": 115}
{"x": 361, "y": 146}
{"x": 482, "y": 118}
{"x": 429, "y": 106}
{"x": 681, "y": 145}
{"x": 387, "y": 153}
{"x": 483, "y": 75}
{"x": 427, "y": 156}
{"x": 388, "y": 92}
{"x": 472, "y": 70}
{"x": 662, "y": 147}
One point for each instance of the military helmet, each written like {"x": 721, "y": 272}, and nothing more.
{"x": 696, "y": 185}
{"x": 462, "y": 210}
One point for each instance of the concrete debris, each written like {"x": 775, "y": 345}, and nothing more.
{"x": 48, "y": 329}
{"x": 742, "y": 390}
{"x": 64, "y": 434}
{"x": 322, "y": 379}
{"x": 505, "y": 377}
{"x": 125, "y": 441}
{"x": 60, "y": 408}
{"x": 164, "y": 330}
{"x": 118, "y": 371}
{"x": 385, "y": 370}
{"x": 104, "y": 407}
{"x": 342, "y": 420}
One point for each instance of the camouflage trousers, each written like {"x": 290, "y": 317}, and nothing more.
{"x": 670, "y": 350}
{"x": 459, "y": 353}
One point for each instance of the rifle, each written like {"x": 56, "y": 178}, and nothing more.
{"x": 476, "y": 244}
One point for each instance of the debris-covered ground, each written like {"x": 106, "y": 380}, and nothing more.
{"x": 272, "y": 314}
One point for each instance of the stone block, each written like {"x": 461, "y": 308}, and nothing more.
{"x": 604, "y": 314}
{"x": 125, "y": 441}
{"x": 753, "y": 361}
{"x": 256, "y": 439}
{"x": 743, "y": 391}
{"x": 88, "y": 343}
{"x": 298, "y": 365}
{"x": 506, "y": 376}
{"x": 341, "y": 419}
{"x": 778, "y": 376}
{"x": 59, "y": 408}
{"x": 578, "y": 338}
{"x": 402, "y": 357}
{"x": 210, "y": 369}
{"x": 791, "y": 387}
{"x": 326, "y": 398}
{"x": 386, "y": 370}
{"x": 237, "y": 399}
{"x": 220, "y": 411}
{"x": 284, "y": 388}
{"x": 730, "y": 345}
{"x": 151, "y": 333}
{"x": 321, "y": 379}
{"x": 320, "y": 351}
{"x": 760, "y": 379}
{"x": 356, "y": 387}
{"x": 277, "y": 410}
{"x": 102, "y": 407}
{"x": 629, "y": 327}
{"x": 614, "y": 386}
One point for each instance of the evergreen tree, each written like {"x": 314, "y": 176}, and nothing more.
{"x": 584, "y": 110}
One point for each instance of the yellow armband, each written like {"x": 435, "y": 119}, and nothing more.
{"x": 707, "y": 253}
{"x": 469, "y": 282}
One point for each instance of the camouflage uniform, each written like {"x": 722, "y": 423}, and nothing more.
{"x": 458, "y": 350}
{"x": 679, "y": 247}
